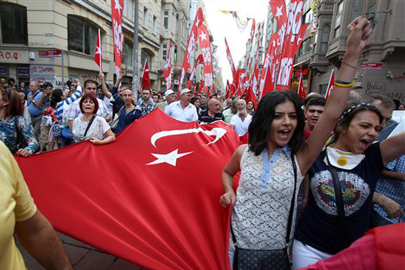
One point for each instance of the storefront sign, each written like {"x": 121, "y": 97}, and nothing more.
{"x": 50, "y": 53}
{"x": 42, "y": 73}
{"x": 371, "y": 66}
{"x": 23, "y": 71}
{"x": 3, "y": 70}
{"x": 9, "y": 55}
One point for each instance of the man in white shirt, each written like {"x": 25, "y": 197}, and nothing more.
{"x": 183, "y": 110}
{"x": 90, "y": 87}
{"x": 242, "y": 119}
{"x": 170, "y": 98}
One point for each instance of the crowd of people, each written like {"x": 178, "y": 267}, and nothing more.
{"x": 313, "y": 173}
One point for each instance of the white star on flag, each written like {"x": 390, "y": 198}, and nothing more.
{"x": 170, "y": 158}
{"x": 203, "y": 36}
{"x": 118, "y": 6}
{"x": 279, "y": 11}
{"x": 197, "y": 22}
{"x": 98, "y": 51}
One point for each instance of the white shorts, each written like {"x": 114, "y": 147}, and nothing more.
{"x": 304, "y": 255}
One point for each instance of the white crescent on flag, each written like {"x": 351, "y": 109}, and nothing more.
{"x": 217, "y": 132}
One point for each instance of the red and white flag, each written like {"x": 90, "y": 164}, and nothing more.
{"x": 230, "y": 60}
{"x": 198, "y": 61}
{"x": 117, "y": 8}
{"x": 145, "y": 76}
{"x": 199, "y": 18}
{"x": 301, "y": 90}
{"x": 252, "y": 35}
{"x": 136, "y": 209}
{"x": 167, "y": 72}
{"x": 98, "y": 54}
{"x": 201, "y": 86}
{"x": 291, "y": 41}
{"x": 251, "y": 97}
{"x": 205, "y": 47}
{"x": 331, "y": 84}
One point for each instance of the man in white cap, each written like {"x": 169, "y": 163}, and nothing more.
{"x": 170, "y": 98}
{"x": 183, "y": 110}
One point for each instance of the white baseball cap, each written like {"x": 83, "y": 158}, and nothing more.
{"x": 169, "y": 92}
{"x": 185, "y": 90}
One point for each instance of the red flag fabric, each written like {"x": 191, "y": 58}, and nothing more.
{"x": 205, "y": 47}
{"x": 230, "y": 60}
{"x": 145, "y": 76}
{"x": 251, "y": 97}
{"x": 268, "y": 75}
{"x": 252, "y": 34}
{"x": 147, "y": 197}
{"x": 98, "y": 54}
{"x": 301, "y": 90}
{"x": 199, "y": 18}
{"x": 198, "y": 61}
{"x": 228, "y": 90}
{"x": 117, "y": 8}
{"x": 331, "y": 84}
{"x": 293, "y": 37}
{"x": 167, "y": 72}
{"x": 201, "y": 86}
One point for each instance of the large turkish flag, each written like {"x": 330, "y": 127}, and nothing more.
{"x": 151, "y": 197}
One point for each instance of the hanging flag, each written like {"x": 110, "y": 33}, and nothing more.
{"x": 205, "y": 47}
{"x": 198, "y": 61}
{"x": 167, "y": 72}
{"x": 241, "y": 24}
{"x": 228, "y": 90}
{"x": 293, "y": 38}
{"x": 232, "y": 88}
{"x": 136, "y": 208}
{"x": 251, "y": 50}
{"x": 145, "y": 76}
{"x": 199, "y": 18}
{"x": 201, "y": 86}
{"x": 251, "y": 97}
{"x": 98, "y": 54}
{"x": 331, "y": 84}
{"x": 230, "y": 60}
{"x": 301, "y": 90}
{"x": 117, "y": 8}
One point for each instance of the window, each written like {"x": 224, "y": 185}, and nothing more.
{"x": 82, "y": 36}
{"x": 338, "y": 20}
{"x": 356, "y": 9}
{"x": 154, "y": 24}
{"x": 146, "y": 54}
{"x": 13, "y": 24}
{"x": 127, "y": 53}
{"x": 145, "y": 17}
{"x": 325, "y": 38}
{"x": 129, "y": 9}
{"x": 164, "y": 51}
{"x": 166, "y": 20}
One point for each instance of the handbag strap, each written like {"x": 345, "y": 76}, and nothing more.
{"x": 291, "y": 214}
{"x": 88, "y": 126}
{"x": 344, "y": 241}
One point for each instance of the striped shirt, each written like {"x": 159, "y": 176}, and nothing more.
{"x": 59, "y": 109}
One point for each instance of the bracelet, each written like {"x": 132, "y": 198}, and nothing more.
{"x": 343, "y": 62}
{"x": 343, "y": 84}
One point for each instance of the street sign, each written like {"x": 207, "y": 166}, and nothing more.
{"x": 371, "y": 66}
{"x": 50, "y": 53}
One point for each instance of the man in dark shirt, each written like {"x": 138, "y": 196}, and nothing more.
{"x": 213, "y": 113}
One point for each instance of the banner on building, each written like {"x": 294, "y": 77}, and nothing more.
{"x": 117, "y": 8}
{"x": 167, "y": 72}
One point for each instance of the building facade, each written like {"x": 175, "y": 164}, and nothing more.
{"x": 55, "y": 40}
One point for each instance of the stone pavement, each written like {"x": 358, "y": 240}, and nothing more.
{"x": 83, "y": 257}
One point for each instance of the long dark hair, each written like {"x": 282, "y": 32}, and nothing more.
{"x": 14, "y": 107}
{"x": 56, "y": 97}
{"x": 259, "y": 129}
{"x": 351, "y": 110}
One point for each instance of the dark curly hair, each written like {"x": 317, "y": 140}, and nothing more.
{"x": 259, "y": 129}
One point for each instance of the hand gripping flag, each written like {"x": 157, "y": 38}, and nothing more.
{"x": 145, "y": 76}
{"x": 331, "y": 84}
{"x": 98, "y": 54}
{"x": 147, "y": 198}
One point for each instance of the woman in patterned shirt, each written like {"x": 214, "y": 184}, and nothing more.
{"x": 15, "y": 131}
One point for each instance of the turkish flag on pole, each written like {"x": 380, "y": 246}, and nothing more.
{"x": 199, "y": 18}
{"x": 98, "y": 55}
{"x": 198, "y": 61}
{"x": 331, "y": 84}
{"x": 230, "y": 60}
{"x": 134, "y": 198}
{"x": 201, "y": 86}
{"x": 251, "y": 97}
{"x": 167, "y": 72}
{"x": 205, "y": 46}
{"x": 145, "y": 76}
{"x": 117, "y": 8}
{"x": 301, "y": 90}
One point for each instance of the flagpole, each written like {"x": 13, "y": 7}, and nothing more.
{"x": 135, "y": 52}
{"x": 99, "y": 42}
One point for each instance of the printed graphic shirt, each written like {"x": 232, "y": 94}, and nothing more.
{"x": 318, "y": 225}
